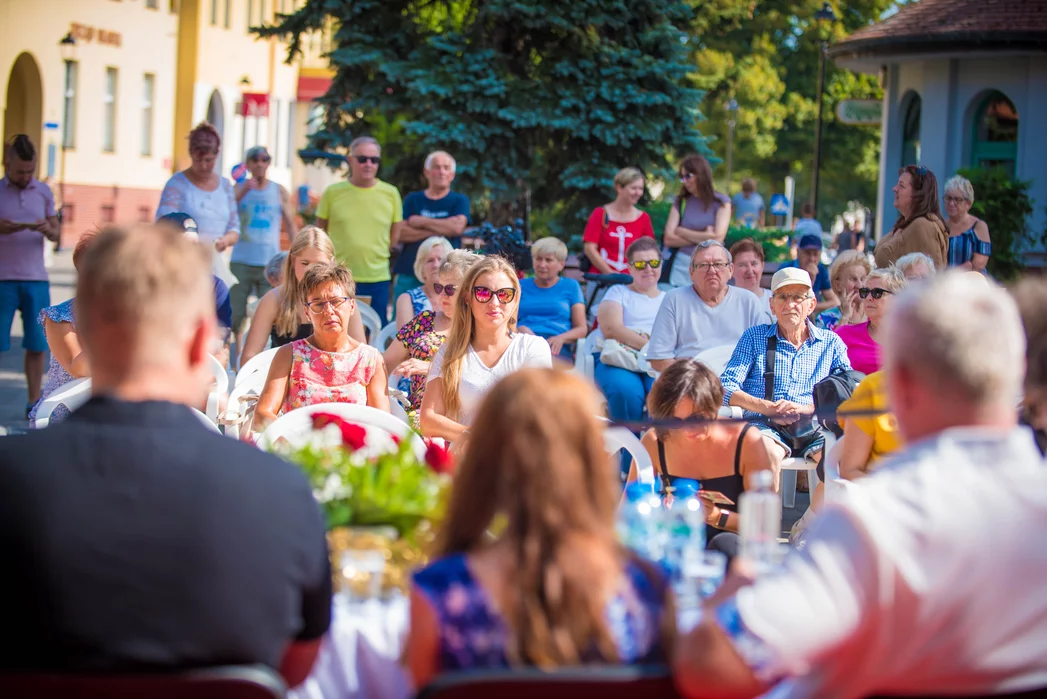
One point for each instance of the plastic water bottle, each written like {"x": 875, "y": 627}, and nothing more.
{"x": 641, "y": 522}
{"x": 760, "y": 513}
{"x": 686, "y": 532}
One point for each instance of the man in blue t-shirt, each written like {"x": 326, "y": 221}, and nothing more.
{"x": 808, "y": 258}
{"x": 435, "y": 210}
{"x": 748, "y": 206}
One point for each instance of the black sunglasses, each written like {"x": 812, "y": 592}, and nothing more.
{"x": 877, "y": 294}
{"x": 641, "y": 264}
{"x": 446, "y": 289}
{"x": 484, "y": 295}
{"x": 368, "y": 159}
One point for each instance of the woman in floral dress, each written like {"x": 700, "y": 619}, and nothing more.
{"x": 423, "y": 335}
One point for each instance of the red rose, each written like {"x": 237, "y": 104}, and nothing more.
{"x": 439, "y": 458}
{"x": 353, "y": 436}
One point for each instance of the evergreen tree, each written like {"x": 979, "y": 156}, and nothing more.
{"x": 544, "y": 96}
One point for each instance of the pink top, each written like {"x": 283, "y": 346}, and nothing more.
{"x": 329, "y": 377}
{"x": 862, "y": 350}
{"x": 22, "y": 252}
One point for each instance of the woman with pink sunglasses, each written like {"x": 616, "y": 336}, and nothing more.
{"x": 418, "y": 340}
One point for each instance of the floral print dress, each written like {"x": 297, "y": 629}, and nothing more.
{"x": 473, "y": 633}
{"x": 57, "y": 376}
{"x": 329, "y": 377}
{"x": 422, "y": 342}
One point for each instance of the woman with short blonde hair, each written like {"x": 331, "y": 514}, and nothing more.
{"x": 431, "y": 254}
{"x": 969, "y": 243}
{"x": 551, "y": 306}
{"x": 614, "y": 226}
{"x": 863, "y": 339}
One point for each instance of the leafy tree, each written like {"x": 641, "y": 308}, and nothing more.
{"x": 543, "y": 97}
{"x": 1004, "y": 204}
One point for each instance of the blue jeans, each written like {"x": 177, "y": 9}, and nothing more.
{"x": 626, "y": 392}
{"x": 379, "y": 293}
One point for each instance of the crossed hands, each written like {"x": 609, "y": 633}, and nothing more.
{"x": 786, "y": 412}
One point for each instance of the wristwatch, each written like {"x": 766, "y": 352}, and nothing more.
{"x": 721, "y": 523}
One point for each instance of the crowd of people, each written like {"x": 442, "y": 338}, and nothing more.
{"x": 164, "y": 562}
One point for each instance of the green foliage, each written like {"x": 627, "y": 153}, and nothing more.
{"x": 775, "y": 241}
{"x": 537, "y": 96}
{"x": 1004, "y": 204}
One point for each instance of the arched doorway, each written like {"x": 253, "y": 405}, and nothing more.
{"x": 994, "y": 141}
{"x": 24, "y": 111}
{"x": 216, "y": 116}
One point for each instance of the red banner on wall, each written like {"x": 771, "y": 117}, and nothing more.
{"x": 255, "y": 104}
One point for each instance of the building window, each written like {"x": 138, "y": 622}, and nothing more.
{"x": 108, "y": 213}
{"x": 995, "y": 139}
{"x": 274, "y": 117}
{"x": 228, "y": 13}
{"x": 214, "y": 13}
{"x": 72, "y": 72}
{"x": 911, "y": 132}
{"x": 152, "y": 4}
{"x": 250, "y": 14}
{"x": 145, "y": 214}
{"x": 109, "y": 111}
{"x": 148, "y": 85}
{"x": 67, "y": 212}
{"x": 288, "y": 153}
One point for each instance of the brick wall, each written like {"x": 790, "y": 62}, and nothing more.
{"x": 91, "y": 206}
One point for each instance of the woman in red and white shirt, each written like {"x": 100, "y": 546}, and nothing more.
{"x": 613, "y": 227}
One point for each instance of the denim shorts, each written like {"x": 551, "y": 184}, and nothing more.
{"x": 30, "y": 298}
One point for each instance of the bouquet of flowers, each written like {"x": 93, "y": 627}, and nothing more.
{"x": 372, "y": 485}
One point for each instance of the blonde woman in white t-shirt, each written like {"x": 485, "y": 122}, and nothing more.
{"x": 627, "y": 315}
{"x": 482, "y": 347}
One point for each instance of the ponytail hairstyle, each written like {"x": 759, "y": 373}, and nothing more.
{"x": 287, "y": 317}
{"x": 463, "y": 326}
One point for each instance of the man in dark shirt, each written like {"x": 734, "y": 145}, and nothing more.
{"x": 134, "y": 538}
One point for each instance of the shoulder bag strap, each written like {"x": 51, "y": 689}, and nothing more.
{"x": 663, "y": 472}
{"x": 738, "y": 450}
{"x": 606, "y": 218}
{"x": 768, "y": 372}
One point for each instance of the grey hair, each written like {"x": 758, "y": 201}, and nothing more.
{"x": 960, "y": 332}
{"x": 891, "y": 277}
{"x": 363, "y": 141}
{"x": 433, "y": 241}
{"x": 958, "y": 183}
{"x": 429, "y": 159}
{"x": 906, "y": 262}
{"x": 706, "y": 244}
{"x": 275, "y": 265}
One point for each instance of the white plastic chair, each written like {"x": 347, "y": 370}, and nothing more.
{"x": 397, "y": 411}
{"x": 242, "y": 400}
{"x": 372, "y": 322}
{"x": 618, "y": 438}
{"x": 221, "y": 380}
{"x": 297, "y": 425}
{"x": 386, "y": 336}
{"x": 259, "y": 363}
{"x": 716, "y": 358}
{"x": 72, "y": 395}
{"x": 584, "y": 364}
{"x": 206, "y": 421}
{"x": 645, "y": 366}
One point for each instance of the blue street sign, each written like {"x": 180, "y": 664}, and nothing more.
{"x": 51, "y": 125}
{"x": 779, "y": 205}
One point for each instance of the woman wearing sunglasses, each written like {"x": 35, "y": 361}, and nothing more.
{"x": 481, "y": 348}
{"x": 550, "y": 306}
{"x": 627, "y": 316}
{"x": 863, "y": 339}
{"x": 421, "y": 337}
{"x": 699, "y": 213}
{"x": 329, "y": 366}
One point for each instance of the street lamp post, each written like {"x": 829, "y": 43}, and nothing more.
{"x": 825, "y": 14}
{"x": 732, "y": 111}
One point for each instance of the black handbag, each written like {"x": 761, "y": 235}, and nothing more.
{"x": 831, "y": 392}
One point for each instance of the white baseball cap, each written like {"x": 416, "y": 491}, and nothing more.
{"x": 789, "y": 276}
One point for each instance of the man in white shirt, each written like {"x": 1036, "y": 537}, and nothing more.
{"x": 707, "y": 314}
{"x": 927, "y": 577}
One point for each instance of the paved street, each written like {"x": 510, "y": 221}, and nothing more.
{"x": 12, "y": 379}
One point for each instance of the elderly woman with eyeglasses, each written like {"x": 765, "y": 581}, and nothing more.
{"x": 329, "y": 366}
{"x": 863, "y": 339}
{"x": 969, "y": 244}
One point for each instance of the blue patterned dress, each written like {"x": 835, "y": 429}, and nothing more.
{"x": 419, "y": 301}
{"x": 57, "y": 376}
{"x": 473, "y": 634}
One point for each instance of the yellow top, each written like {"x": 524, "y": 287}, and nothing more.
{"x": 871, "y": 394}
{"x": 358, "y": 223}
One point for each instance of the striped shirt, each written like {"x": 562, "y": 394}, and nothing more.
{"x": 796, "y": 369}
{"x": 963, "y": 247}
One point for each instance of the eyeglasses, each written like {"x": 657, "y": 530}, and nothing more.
{"x": 955, "y": 200}
{"x": 318, "y": 307}
{"x": 686, "y": 177}
{"x": 375, "y": 159}
{"x": 792, "y": 298}
{"x": 877, "y": 294}
{"x": 717, "y": 266}
{"x": 643, "y": 264}
{"x": 445, "y": 289}
{"x": 484, "y": 295}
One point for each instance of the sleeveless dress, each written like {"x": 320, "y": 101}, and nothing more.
{"x": 473, "y": 634}
{"x": 419, "y": 301}
{"x": 421, "y": 342}
{"x": 329, "y": 377}
{"x": 57, "y": 376}
{"x": 962, "y": 247}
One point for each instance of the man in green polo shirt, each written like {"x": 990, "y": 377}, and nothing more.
{"x": 362, "y": 217}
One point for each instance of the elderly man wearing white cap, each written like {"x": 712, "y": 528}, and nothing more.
{"x": 774, "y": 368}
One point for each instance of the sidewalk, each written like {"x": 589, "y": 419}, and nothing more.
{"x": 13, "y": 394}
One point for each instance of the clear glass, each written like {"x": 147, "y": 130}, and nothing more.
{"x": 362, "y": 572}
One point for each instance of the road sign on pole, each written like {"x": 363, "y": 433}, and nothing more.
{"x": 780, "y": 205}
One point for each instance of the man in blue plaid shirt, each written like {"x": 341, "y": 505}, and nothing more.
{"x": 804, "y": 356}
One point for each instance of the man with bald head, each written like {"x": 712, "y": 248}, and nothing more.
{"x": 136, "y": 539}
